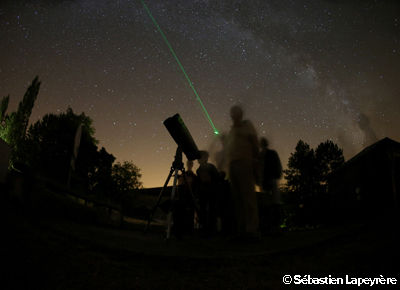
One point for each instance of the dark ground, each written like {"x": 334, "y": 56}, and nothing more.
{"x": 42, "y": 252}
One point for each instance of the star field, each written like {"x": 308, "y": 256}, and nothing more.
{"x": 311, "y": 70}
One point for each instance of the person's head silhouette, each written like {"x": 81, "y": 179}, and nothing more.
{"x": 264, "y": 142}
{"x": 236, "y": 114}
{"x": 189, "y": 165}
{"x": 203, "y": 157}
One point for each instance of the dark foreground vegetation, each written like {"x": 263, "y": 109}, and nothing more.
{"x": 53, "y": 242}
{"x": 62, "y": 148}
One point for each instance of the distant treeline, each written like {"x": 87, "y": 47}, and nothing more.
{"x": 46, "y": 148}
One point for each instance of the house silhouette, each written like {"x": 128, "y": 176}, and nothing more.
{"x": 368, "y": 185}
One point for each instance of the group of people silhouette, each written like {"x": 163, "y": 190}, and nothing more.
{"x": 225, "y": 199}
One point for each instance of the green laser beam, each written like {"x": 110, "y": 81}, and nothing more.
{"x": 180, "y": 66}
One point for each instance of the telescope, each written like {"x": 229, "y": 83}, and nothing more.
{"x": 180, "y": 133}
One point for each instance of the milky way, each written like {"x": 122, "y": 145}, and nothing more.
{"x": 311, "y": 70}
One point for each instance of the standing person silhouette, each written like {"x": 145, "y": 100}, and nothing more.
{"x": 190, "y": 176}
{"x": 208, "y": 177}
{"x": 271, "y": 173}
{"x": 242, "y": 153}
{"x": 272, "y": 170}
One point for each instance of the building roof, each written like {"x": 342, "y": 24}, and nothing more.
{"x": 384, "y": 144}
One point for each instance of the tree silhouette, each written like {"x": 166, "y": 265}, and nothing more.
{"x": 307, "y": 177}
{"x": 301, "y": 173}
{"x": 328, "y": 157}
{"x": 101, "y": 181}
{"x": 13, "y": 126}
{"x": 126, "y": 177}
{"x": 3, "y": 109}
{"x": 51, "y": 141}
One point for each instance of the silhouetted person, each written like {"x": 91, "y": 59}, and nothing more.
{"x": 225, "y": 214}
{"x": 272, "y": 170}
{"x": 185, "y": 203}
{"x": 192, "y": 187}
{"x": 242, "y": 153}
{"x": 190, "y": 176}
{"x": 207, "y": 186}
{"x": 270, "y": 175}
{"x": 220, "y": 156}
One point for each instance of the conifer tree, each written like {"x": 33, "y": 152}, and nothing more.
{"x": 13, "y": 126}
{"x": 300, "y": 175}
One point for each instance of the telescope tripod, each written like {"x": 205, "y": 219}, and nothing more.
{"x": 177, "y": 165}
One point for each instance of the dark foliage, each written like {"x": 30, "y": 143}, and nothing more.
{"x": 307, "y": 176}
{"x": 51, "y": 141}
{"x": 328, "y": 158}
{"x": 126, "y": 178}
{"x": 13, "y": 126}
{"x": 51, "y": 144}
{"x": 101, "y": 182}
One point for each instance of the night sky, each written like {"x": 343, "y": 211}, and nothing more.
{"x": 311, "y": 70}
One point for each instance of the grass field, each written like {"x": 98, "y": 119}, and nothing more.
{"x": 55, "y": 251}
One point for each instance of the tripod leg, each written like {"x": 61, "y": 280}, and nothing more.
{"x": 169, "y": 217}
{"x": 158, "y": 200}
